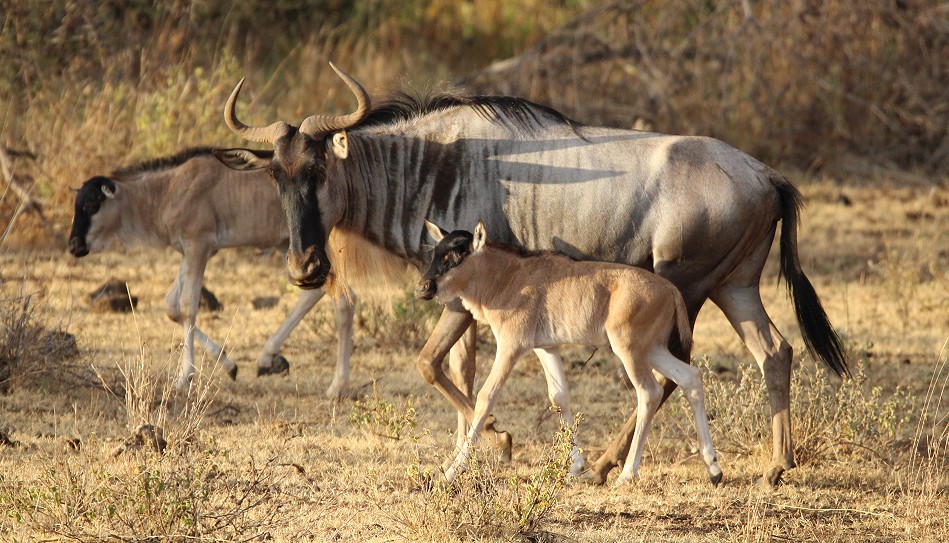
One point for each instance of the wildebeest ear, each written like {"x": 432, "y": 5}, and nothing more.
{"x": 341, "y": 144}
{"x": 480, "y": 237}
{"x": 108, "y": 191}
{"x": 243, "y": 159}
{"x": 435, "y": 231}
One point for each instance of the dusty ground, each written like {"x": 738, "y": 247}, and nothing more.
{"x": 876, "y": 252}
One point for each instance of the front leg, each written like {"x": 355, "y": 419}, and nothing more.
{"x": 184, "y": 309}
{"x": 271, "y": 349}
{"x": 487, "y": 396}
{"x": 453, "y": 323}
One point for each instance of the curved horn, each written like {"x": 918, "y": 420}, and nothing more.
{"x": 316, "y": 125}
{"x": 267, "y": 134}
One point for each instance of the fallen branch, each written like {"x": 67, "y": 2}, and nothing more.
{"x": 27, "y": 201}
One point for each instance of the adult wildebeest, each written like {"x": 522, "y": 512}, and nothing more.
{"x": 194, "y": 204}
{"x": 692, "y": 209}
{"x": 540, "y": 301}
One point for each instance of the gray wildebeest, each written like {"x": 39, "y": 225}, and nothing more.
{"x": 194, "y": 204}
{"x": 540, "y": 301}
{"x": 694, "y": 210}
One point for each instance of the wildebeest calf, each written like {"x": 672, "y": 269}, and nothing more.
{"x": 542, "y": 301}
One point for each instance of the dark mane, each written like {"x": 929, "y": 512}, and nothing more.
{"x": 523, "y": 114}
{"x": 162, "y": 163}
{"x": 526, "y": 253}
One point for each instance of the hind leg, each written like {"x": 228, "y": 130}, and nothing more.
{"x": 743, "y": 309}
{"x": 690, "y": 379}
{"x": 557, "y": 393}
{"x": 648, "y": 398}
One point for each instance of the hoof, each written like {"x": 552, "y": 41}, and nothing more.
{"x": 592, "y": 477}
{"x": 278, "y": 366}
{"x": 770, "y": 479}
{"x": 625, "y": 479}
{"x": 232, "y": 373}
{"x": 504, "y": 445}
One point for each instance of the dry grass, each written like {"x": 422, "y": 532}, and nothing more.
{"x": 872, "y": 450}
{"x": 272, "y": 459}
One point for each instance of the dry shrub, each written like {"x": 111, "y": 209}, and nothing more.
{"x": 831, "y": 418}
{"x": 194, "y": 495}
{"x": 29, "y": 347}
{"x": 487, "y": 501}
{"x": 91, "y": 85}
{"x": 190, "y": 490}
{"x": 802, "y": 82}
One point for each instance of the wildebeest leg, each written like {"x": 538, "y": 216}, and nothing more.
{"x": 181, "y": 304}
{"x": 690, "y": 379}
{"x": 743, "y": 309}
{"x": 345, "y": 311}
{"x": 308, "y": 299}
{"x": 452, "y": 324}
{"x": 503, "y": 364}
{"x": 559, "y": 397}
{"x": 618, "y": 449}
{"x": 462, "y": 366}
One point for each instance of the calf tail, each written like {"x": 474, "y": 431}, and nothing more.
{"x": 680, "y": 340}
{"x": 819, "y": 336}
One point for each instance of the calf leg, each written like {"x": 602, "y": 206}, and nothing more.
{"x": 461, "y": 365}
{"x": 648, "y": 398}
{"x": 271, "y": 349}
{"x": 557, "y": 393}
{"x": 487, "y": 396}
{"x": 743, "y": 309}
{"x": 618, "y": 449}
{"x": 452, "y": 324}
{"x": 690, "y": 379}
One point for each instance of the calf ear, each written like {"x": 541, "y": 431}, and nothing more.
{"x": 480, "y": 237}
{"x": 435, "y": 231}
{"x": 341, "y": 144}
{"x": 243, "y": 159}
{"x": 108, "y": 191}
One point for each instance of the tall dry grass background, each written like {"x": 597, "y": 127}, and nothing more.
{"x": 849, "y": 98}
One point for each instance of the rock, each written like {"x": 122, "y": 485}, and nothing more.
{"x": 265, "y": 302}
{"x": 112, "y": 296}
{"x": 145, "y": 437}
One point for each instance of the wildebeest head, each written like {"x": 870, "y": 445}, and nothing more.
{"x": 96, "y": 215}
{"x": 449, "y": 253}
{"x": 298, "y": 166}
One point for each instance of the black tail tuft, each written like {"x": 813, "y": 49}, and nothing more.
{"x": 819, "y": 336}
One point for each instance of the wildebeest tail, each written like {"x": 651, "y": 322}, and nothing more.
{"x": 680, "y": 340}
{"x": 819, "y": 336}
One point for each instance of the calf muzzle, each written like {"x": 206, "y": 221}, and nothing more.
{"x": 426, "y": 289}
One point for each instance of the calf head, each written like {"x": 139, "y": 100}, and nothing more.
{"x": 96, "y": 216}
{"x": 299, "y": 166}
{"x": 452, "y": 249}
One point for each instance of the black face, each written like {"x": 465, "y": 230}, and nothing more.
{"x": 298, "y": 168}
{"x": 449, "y": 253}
{"x": 89, "y": 199}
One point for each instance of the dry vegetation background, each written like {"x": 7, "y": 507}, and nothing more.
{"x": 850, "y": 99}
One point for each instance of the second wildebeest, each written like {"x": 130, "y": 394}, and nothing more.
{"x": 195, "y": 205}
